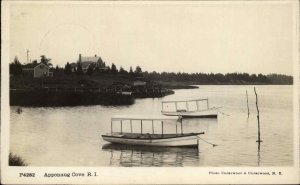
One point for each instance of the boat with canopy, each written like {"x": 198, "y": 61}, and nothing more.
{"x": 189, "y": 109}
{"x": 154, "y": 138}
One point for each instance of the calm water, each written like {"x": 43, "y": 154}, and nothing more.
{"x": 71, "y": 136}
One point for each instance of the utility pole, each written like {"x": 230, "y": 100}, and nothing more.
{"x": 27, "y": 55}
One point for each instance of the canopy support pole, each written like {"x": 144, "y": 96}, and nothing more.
{"x": 207, "y": 104}
{"x": 141, "y": 126}
{"x": 162, "y": 129}
{"x": 187, "y": 106}
{"x": 181, "y": 128}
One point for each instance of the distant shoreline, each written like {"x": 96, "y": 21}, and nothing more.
{"x": 180, "y": 85}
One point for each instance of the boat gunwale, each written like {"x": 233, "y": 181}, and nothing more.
{"x": 193, "y": 111}
{"x": 167, "y": 118}
{"x": 166, "y": 136}
{"x": 194, "y": 100}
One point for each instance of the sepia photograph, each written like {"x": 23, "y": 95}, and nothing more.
{"x": 190, "y": 91}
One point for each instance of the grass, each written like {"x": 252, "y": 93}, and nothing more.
{"x": 15, "y": 160}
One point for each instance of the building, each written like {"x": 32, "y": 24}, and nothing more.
{"x": 86, "y": 62}
{"x": 37, "y": 70}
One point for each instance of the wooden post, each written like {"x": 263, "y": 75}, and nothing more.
{"x": 152, "y": 127}
{"x": 176, "y": 128}
{"x": 258, "y": 124}
{"x": 131, "y": 126}
{"x": 247, "y": 103}
{"x": 111, "y": 127}
{"x": 198, "y": 145}
{"x": 176, "y": 106}
{"x": 121, "y": 126}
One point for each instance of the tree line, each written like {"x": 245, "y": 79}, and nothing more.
{"x": 100, "y": 68}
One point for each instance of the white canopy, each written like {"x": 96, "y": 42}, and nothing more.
{"x": 144, "y": 117}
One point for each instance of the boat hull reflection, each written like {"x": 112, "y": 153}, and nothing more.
{"x": 131, "y": 155}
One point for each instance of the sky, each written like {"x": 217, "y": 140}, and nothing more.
{"x": 171, "y": 36}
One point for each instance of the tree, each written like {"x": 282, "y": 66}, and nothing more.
{"x": 68, "y": 69}
{"x": 138, "y": 69}
{"x": 46, "y": 60}
{"x": 15, "y": 68}
{"x": 130, "y": 70}
{"x": 79, "y": 70}
{"x": 114, "y": 69}
{"x": 122, "y": 70}
{"x": 90, "y": 70}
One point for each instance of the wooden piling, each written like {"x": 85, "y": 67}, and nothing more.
{"x": 258, "y": 124}
{"x": 247, "y": 103}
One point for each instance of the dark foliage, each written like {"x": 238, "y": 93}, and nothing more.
{"x": 15, "y": 160}
{"x": 15, "y": 68}
{"x": 79, "y": 70}
{"x": 46, "y": 60}
{"x": 68, "y": 69}
{"x": 113, "y": 69}
{"x": 90, "y": 70}
{"x": 229, "y": 78}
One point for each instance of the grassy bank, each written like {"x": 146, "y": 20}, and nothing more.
{"x": 15, "y": 160}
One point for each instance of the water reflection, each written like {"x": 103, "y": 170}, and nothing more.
{"x": 128, "y": 156}
{"x": 199, "y": 125}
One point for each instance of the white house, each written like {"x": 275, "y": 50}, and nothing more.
{"x": 37, "y": 70}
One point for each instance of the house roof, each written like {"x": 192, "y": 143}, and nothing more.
{"x": 73, "y": 65}
{"x": 32, "y": 65}
{"x": 85, "y": 64}
{"x": 90, "y": 59}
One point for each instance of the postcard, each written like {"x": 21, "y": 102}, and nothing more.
{"x": 150, "y": 92}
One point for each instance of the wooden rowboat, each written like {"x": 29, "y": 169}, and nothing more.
{"x": 177, "y": 139}
{"x": 187, "y": 112}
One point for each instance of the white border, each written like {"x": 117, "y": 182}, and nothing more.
{"x": 153, "y": 175}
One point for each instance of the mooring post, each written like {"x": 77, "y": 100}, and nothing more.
{"x": 121, "y": 126}
{"x": 247, "y": 103}
{"x": 162, "y": 128}
{"x": 111, "y": 127}
{"x": 258, "y": 124}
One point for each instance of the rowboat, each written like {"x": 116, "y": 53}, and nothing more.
{"x": 191, "y": 109}
{"x": 177, "y": 139}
